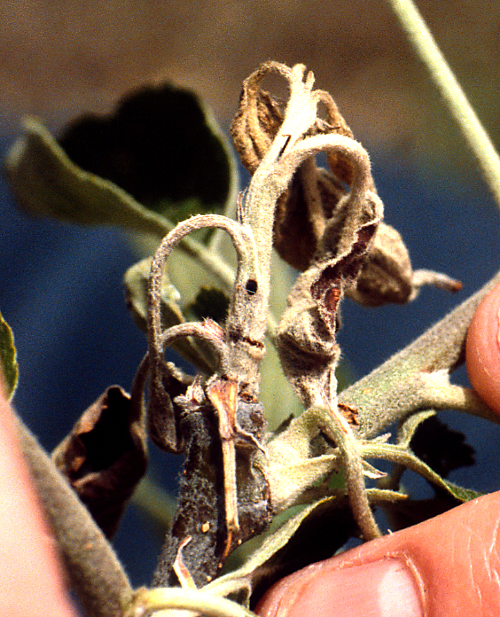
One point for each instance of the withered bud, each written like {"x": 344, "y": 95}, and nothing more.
{"x": 387, "y": 275}
{"x": 256, "y": 123}
{"x": 304, "y": 209}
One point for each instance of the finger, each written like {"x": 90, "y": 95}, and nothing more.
{"x": 447, "y": 566}
{"x": 30, "y": 576}
{"x": 482, "y": 351}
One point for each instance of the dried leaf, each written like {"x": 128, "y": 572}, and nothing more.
{"x": 298, "y": 224}
{"x": 167, "y": 382}
{"x": 387, "y": 275}
{"x": 104, "y": 457}
{"x": 295, "y": 236}
{"x": 306, "y": 338}
{"x": 314, "y": 196}
{"x": 256, "y": 123}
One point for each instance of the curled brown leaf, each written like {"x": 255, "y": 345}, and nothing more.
{"x": 105, "y": 456}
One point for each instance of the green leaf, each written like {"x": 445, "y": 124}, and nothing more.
{"x": 46, "y": 182}
{"x": 404, "y": 456}
{"x": 136, "y": 285}
{"x": 8, "y": 357}
{"x": 411, "y": 424}
{"x": 162, "y": 145}
{"x": 209, "y": 303}
{"x": 161, "y": 148}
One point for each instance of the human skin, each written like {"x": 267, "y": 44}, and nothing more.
{"x": 447, "y": 566}
{"x": 31, "y": 580}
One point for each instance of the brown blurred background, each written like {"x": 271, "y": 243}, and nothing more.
{"x": 61, "y": 58}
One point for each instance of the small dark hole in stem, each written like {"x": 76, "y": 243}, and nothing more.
{"x": 251, "y": 287}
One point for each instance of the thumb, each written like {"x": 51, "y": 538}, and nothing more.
{"x": 446, "y": 566}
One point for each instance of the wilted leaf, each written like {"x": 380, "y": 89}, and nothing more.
{"x": 8, "y": 362}
{"x": 105, "y": 456}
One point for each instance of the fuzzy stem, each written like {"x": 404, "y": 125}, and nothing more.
{"x": 451, "y": 91}
{"x": 242, "y": 242}
{"x": 96, "y": 574}
{"x": 438, "y": 393}
{"x": 344, "y": 439}
{"x": 387, "y": 394}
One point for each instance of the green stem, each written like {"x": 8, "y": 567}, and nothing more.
{"x": 455, "y": 98}
{"x": 341, "y": 433}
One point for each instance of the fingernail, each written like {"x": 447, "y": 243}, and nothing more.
{"x": 384, "y": 588}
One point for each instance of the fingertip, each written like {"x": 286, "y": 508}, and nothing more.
{"x": 482, "y": 350}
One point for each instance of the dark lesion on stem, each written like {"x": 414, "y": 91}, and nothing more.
{"x": 223, "y": 492}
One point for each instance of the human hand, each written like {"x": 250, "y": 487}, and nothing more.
{"x": 447, "y": 566}
{"x": 31, "y": 581}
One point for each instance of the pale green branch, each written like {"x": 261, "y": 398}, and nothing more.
{"x": 147, "y": 601}
{"x": 390, "y": 392}
{"x": 438, "y": 393}
{"x": 451, "y": 91}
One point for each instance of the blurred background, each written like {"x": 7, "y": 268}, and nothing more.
{"x": 60, "y": 285}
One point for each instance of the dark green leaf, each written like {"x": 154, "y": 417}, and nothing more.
{"x": 162, "y": 146}
{"x": 210, "y": 303}
{"x": 442, "y": 448}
